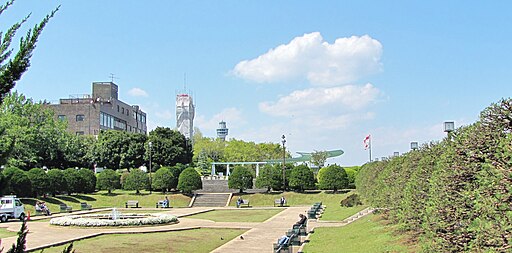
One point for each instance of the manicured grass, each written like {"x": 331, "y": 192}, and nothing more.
{"x": 332, "y": 201}
{"x": 338, "y": 213}
{"x": 196, "y": 240}
{"x": 103, "y": 199}
{"x": 367, "y": 234}
{"x": 239, "y": 215}
{"x": 4, "y": 233}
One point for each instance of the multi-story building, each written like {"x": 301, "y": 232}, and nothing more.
{"x": 185, "y": 111}
{"x": 88, "y": 114}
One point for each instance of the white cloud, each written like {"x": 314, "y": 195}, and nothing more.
{"x": 310, "y": 57}
{"x": 321, "y": 101}
{"x": 138, "y": 92}
{"x": 232, "y": 116}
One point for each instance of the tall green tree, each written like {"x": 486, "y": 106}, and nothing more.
{"x": 318, "y": 158}
{"x": 169, "y": 147}
{"x": 13, "y": 67}
{"x": 118, "y": 149}
{"x": 241, "y": 179}
{"x": 302, "y": 178}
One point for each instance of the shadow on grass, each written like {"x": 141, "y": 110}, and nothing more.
{"x": 112, "y": 194}
{"x": 338, "y": 192}
{"x": 68, "y": 199}
{"x": 86, "y": 198}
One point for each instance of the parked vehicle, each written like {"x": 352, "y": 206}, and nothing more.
{"x": 11, "y": 208}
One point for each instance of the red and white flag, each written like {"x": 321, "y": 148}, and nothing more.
{"x": 366, "y": 142}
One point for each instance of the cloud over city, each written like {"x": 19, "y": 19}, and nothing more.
{"x": 311, "y": 58}
{"x": 137, "y": 92}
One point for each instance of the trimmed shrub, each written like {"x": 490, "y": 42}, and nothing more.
{"x": 189, "y": 181}
{"x": 17, "y": 182}
{"x": 351, "y": 200}
{"x": 241, "y": 179}
{"x": 40, "y": 181}
{"x": 57, "y": 181}
{"x": 88, "y": 180}
{"x": 137, "y": 180}
{"x": 74, "y": 184}
{"x": 108, "y": 180}
{"x": 164, "y": 179}
{"x": 332, "y": 177}
{"x": 302, "y": 178}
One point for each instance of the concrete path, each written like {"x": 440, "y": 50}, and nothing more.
{"x": 262, "y": 237}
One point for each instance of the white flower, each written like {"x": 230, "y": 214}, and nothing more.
{"x": 100, "y": 220}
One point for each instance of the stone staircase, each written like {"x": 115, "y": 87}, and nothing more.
{"x": 211, "y": 199}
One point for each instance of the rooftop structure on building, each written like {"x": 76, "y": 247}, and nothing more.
{"x": 102, "y": 110}
{"x": 222, "y": 131}
{"x": 185, "y": 112}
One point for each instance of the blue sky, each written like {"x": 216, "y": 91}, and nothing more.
{"x": 324, "y": 73}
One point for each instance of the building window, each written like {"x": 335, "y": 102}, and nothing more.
{"x": 80, "y": 133}
{"x": 117, "y": 108}
{"x": 61, "y": 117}
{"x": 127, "y": 112}
{"x": 122, "y": 110}
{"x": 80, "y": 117}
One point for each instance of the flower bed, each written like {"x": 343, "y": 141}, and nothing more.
{"x": 102, "y": 220}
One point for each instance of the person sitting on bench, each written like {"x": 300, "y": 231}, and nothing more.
{"x": 302, "y": 220}
{"x": 166, "y": 202}
{"x": 239, "y": 201}
{"x": 282, "y": 242}
{"x": 41, "y": 207}
{"x": 283, "y": 201}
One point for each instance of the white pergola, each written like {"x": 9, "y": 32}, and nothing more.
{"x": 228, "y": 172}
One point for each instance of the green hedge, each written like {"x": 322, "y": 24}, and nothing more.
{"x": 457, "y": 193}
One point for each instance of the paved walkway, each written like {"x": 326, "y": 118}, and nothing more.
{"x": 259, "y": 237}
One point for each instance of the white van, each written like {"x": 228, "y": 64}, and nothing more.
{"x": 11, "y": 208}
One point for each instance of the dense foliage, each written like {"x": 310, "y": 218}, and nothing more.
{"x": 164, "y": 179}
{"x": 456, "y": 194}
{"x": 240, "y": 178}
{"x": 302, "y": 178}
{"x": 137, "y": 180}
{"x": 108, "y": 180}
{"x": 332, "y": 177}
{"x": 189, "y": 181}
{"x": 270, "y": 177}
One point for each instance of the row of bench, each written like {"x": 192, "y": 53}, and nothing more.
{"x": 315, "y": 210}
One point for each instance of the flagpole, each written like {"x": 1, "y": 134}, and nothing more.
{"x": 370, "y": 147}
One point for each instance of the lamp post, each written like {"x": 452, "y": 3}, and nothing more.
{"x": 284, "y": 161}
{"x": 449, "y": 127}
{"x": 414, "y": 145}
{"x": 150, "y": 144}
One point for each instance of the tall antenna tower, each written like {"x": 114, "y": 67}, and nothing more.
{"x": 185, "y": 112}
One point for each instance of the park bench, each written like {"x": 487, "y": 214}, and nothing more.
{"x": 161, "y": 204}
{"x": 85, "y": 206}
{"x": 132, "y": 203}
{"x": 285, "y": 248}
{"x": 278, "y": 202}
{"x": 245, "y": 202}
{"x": 300, "y": 230}
{"x": 65, "y": 208}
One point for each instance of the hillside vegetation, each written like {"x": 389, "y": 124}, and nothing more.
{"x": 455, "y": 194}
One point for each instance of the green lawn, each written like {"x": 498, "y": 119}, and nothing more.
{"x": 332, "y": 201}
{"x": 5, "y": 233}
{"x": 103, "y": 199}
{"x": 239, "y": 215}
{"x": 367, "y": 234}
{"x": 338, "y": 213}
{"x": 193, "y": 241}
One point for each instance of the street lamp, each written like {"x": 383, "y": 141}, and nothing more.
{"x": 414, "y": 145}
{"x": 150, "y": 144}
{"x": 449, "y": 127}
{"x": 284, "y": 161}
